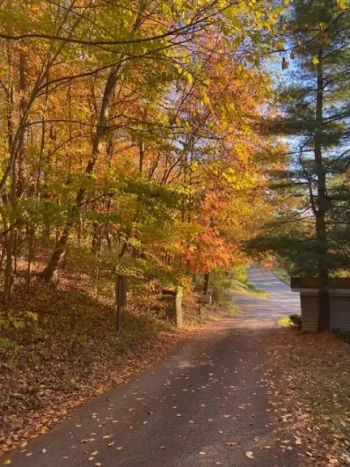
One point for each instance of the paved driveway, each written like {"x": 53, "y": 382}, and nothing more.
{"x": 206, "y": 404}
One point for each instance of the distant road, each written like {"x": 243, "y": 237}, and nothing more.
{"x": 281, "y": 301}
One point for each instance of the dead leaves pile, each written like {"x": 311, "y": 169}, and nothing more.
{"x": 309, "y": 388}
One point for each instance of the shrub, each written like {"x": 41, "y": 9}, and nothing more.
{"x": 290, "y": 321}
{"x": 220, "y": 286}
{"x": 345, "y": 335}
{"x": 296, "y": 320}
{"x": 6, "y": 343}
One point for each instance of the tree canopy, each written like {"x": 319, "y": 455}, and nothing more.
{"x": 131, "y": 132}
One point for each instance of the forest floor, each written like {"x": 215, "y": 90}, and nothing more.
{"x": 311, "y": 396}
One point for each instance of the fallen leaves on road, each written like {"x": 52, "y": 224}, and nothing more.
{"x": 249, "y": 454}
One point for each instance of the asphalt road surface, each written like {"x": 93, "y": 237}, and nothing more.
{"x": 204, "y": 405}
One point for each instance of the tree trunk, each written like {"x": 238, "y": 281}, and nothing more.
{"x": 10, "y": 246}
{"x": 50, "y": 272}
{"x": 61, "y": 247}
{"x": 23, "y": 70}
{"x": 141, "y": 155}
{"x": 206, "y": 283}
{"x": 321, "y": 232}
{"x": 101, "y": 130}
{"x": 31, "y": 234}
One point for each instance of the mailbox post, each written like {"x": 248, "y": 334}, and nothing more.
{"x": 204, "y": 299}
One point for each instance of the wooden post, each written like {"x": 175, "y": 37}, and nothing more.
{"x": 120, "y": 292}
{"x": 178, "y": 307}
{"x": 206, "y": 283}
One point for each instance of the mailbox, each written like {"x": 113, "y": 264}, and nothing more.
{"x": 205, "y": 299}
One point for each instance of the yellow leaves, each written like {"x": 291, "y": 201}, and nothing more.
{"x": 7, "y": 462}
{"x": 187, "y": 76}
{"x": 249, "y": 454}
{"x": 343, "y": 4}
{"x": 280, "y": 46}
{"x": 231, "y": 12}
{"x": 315, "y": 60}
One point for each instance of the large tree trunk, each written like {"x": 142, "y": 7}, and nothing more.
{"x": 101, "y": 130}
{"x": 23, "y": 70}
{"x": 102, "y": 127}
{"x": 10, "y": 246}
{"x": 321, "y": 231}
{"x": 11, "y": 200}
{"x": 50, "y": 272}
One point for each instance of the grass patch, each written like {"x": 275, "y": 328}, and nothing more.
{"x": 232, "y": 309}
{"x": 282, "y": 274}
{"x": 285, "y": 322}
{"x": 247, "y": 288}
{"x": 210, "y": 313}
